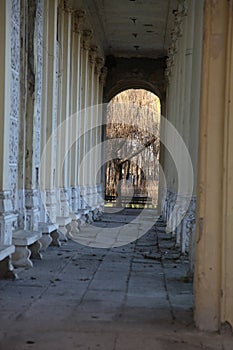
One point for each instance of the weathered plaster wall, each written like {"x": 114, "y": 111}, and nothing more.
{"x": 126, "y": 73}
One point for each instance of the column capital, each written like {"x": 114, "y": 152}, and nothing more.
{"x": 99, "y": 62}
{"x": 103, "y": 75}
{"x": 179, "y": 15}
{"x": 65, "y": 5}
{"x": 168, "y": 69}
{"x": 78, "y": 20}
{"x": 170, "y": 61}
{"x": 87, "y": 36}
{"x": 176, "y": 32}
{"x": 93, "y": 51}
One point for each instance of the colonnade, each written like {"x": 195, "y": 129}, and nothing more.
{"x": 52, "y": 74}
{"x": 182, "y": 111}
{"x": 55, "y": 73}
{"x": 213, "y": 282}
{"x": 199, "y": 105}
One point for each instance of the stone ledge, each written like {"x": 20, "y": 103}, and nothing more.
{"x": 63, "y": 220}
{"x": 25, "y": 238}
{"x": 6, "y": 250}
{"x": 78, "y": 215}
{"x": 6, "y": 267}
{"x": 75, "y": 216}
{"x": 49, "y": 236}
{"x": 64, "y": 223}
{"x": 46, "y": 228}
{"x": 83, "y": 211}
{"x": 27, "y": 244}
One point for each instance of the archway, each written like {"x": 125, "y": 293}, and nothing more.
{"x": 135, "y": 73}
{"x": 132, "y": 134}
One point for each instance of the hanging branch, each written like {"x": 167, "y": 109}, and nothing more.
{"x": 139, "y": 110}
{"x": 146, "y": 145}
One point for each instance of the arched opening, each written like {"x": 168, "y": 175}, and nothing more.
{"x": 132, "y": 152}
{"x": 133, "y": 84}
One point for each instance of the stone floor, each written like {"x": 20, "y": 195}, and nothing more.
{"x": 134, "y": 296}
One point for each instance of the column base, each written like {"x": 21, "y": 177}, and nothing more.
{"x": 179, "y": 210}
{"x": 75, "y": 226}
{"x": 74, "y": 199}
{"x": 50, "y": 206}
{"x": 89, "y": 217}
{"x": 63, "y": 209}
{"x": 6, "y": 221}
{"x": 96, "y": 214}
{"x": 32, "y": 209}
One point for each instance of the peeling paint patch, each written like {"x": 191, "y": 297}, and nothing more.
{"x": 201, "y": 224}
{"x": 217, "y": 44}
{"x": 214, "y": 2}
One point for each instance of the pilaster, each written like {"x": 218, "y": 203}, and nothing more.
{"x": 6, "y": 209}
{"x": 30, "y": 90}
{"x": 6, "y": 215}
{"x": 5, "y": 92}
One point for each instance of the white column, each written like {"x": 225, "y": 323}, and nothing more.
{"x": 213, "y": 255}
{"x": 98, "y": 130}
{"x": 95, "y": 159}
{"x": 29, "y": 118}
{"x": 180, "y": 118}
{"x": 6, "y": 216}
{"x": 184, "y": 229}
{"x": 189, "y": 40}
{"x": 78, "y": 18}
{"x": 64, "y": 22}
{"x": 6, "y": 208}
{"x": 81, "y": 116}
{"x": 74, "y": 195}
{"x": 101, "y": 129}
{"x": 195, "y": 82}
{"x": 48, "y": 108}
{"x": 92, "y": 57}
{"x": 83, "y": 178}
{"x": 196, "y": 86}
{"x": 62, "y": 164}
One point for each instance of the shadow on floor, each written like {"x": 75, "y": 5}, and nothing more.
{"x": 135, "y": 296}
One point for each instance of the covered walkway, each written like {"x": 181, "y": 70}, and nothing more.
{"x": 130, "y": 297}
{"x": 61, "y": 62}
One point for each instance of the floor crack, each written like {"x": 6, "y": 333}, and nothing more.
{"x": 171, "y": 309}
